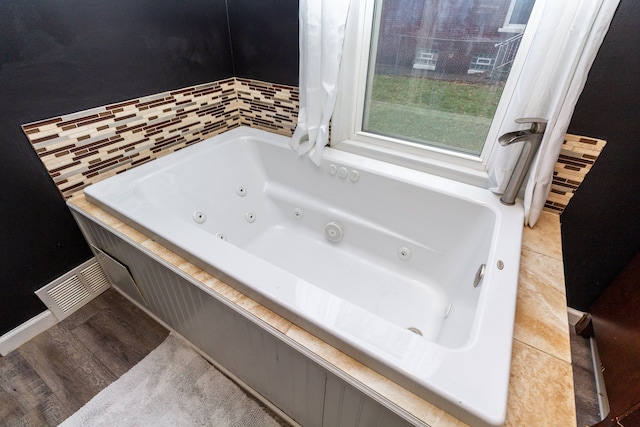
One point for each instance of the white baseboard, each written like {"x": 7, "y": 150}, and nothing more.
{"x": 23, "y": 333}
{"x": 63, "y": 296}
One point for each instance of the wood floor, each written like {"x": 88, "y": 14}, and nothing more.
{"x": 50, "y": 377}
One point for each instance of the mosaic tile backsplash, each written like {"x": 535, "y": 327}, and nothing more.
{"x": 270, "y": 107}
{"x": 577, "y": 156}
{"x": 82, "y": 148}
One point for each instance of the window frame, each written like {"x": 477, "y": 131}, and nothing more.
{"x": 346, "y": 127}
{"x": 508, "y": 27}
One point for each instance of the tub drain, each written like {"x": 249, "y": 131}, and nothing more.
{"x": 415, "y": 330}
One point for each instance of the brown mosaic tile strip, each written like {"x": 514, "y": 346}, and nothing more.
{"x": 268, "y": 106}
{"x": 576, "y": 159}
{"x": 81, "y": 148}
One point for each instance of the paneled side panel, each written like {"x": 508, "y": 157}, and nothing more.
{"x": 293, "y": 378}
{"x": 302, "y": 378}
{"x": 278, "y": 372}
{"x": 250, "y": 349}
{"x": 345, "y": 406}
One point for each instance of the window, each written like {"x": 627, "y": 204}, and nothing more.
{"x": 429, "y": 81}
{"x": 481, "y": 63}
{"x": 517, "y": 16}
{"x": 426, "y": 59}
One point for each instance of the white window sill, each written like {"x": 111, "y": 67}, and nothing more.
{"x": 512, "y": 29}
{"x": 475, "y": 177}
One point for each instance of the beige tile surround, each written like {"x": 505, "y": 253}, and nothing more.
{"x": 541, "y": 385}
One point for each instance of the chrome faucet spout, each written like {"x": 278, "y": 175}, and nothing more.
{"x": 513, "y": 137}
{"x": 532, "y": 138}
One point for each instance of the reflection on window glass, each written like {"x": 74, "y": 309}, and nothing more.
{"x": 521, "y": 11}
{"x": 438, "y": 69}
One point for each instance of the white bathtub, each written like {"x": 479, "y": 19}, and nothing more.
{"x": 364, "y": 254}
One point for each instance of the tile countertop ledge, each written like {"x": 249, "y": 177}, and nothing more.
{"x": 541, "y": 385}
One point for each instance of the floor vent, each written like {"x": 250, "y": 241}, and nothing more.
{"x": 95, "y": 278}
{"x": 71, "y": 291}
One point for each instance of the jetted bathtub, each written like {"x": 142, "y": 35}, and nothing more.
{"x": 411, "y": 274}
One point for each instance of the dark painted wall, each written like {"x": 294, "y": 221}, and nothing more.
{"x": 264, "y": 37}
{"x": 61, "y": 56}
{"x": 601, "y": 225}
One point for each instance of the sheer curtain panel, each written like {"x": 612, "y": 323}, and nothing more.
{"x": 322, "y": 28}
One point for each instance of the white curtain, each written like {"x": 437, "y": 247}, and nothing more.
{"x": 322, "y": 28}
{"x": 567, "y": 36}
